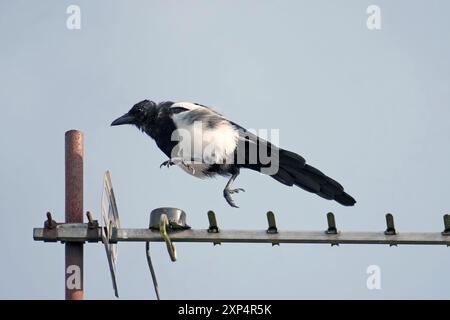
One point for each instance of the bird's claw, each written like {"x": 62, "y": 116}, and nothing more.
{"x": 171, "y": 162}
{"x": 167, "y": 163}
{"x": 237, "y": 190}
{"x": 227, "y": 194}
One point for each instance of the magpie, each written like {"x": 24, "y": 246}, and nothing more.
{"x": 204, "y": 143}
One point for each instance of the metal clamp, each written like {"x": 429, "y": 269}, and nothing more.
{"x": 446, "y": 231}
{"x": 50, "y": 223}
{"x": 93, "y": 226}
{"x": 390, "y": 227}
{"x": 163, "y": 224}
{"x": 272, "y": 226}
{"x": 331, "y": 226}
{"x": 50, "y": 232}
{"x": 213, "y": 227}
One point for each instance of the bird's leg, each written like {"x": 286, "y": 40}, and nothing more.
{"x": 227, "y": 192}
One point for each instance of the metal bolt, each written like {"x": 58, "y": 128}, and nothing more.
{"x": 49, "y": 222}
{"x": 89, "y": 216}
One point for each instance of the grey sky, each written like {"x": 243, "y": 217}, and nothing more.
{"x": 369, "y": 108}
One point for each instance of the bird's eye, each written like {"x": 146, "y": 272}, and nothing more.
{"x": 136, "y": 111}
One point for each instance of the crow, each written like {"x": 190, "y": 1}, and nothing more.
{"x": 204, "y": 143}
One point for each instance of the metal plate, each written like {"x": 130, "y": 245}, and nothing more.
{"x": 111, "y": 220}
{"x": 177, "y": 218}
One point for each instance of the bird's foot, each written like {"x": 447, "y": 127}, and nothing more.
{"x": 171, "y": 162}
{"x": 167, "y": 163}
{"x": 227, "y": 194}
{"x": 176, "y": 161}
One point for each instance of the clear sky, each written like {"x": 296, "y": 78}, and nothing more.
{"x": 369, "y": 108}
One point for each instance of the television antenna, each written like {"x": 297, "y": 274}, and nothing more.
{"x": 169, "y": 225}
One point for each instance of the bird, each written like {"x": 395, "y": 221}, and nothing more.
{"x": 204, "y": 143}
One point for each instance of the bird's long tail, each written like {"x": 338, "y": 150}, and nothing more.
{"x": 293, "y": 170}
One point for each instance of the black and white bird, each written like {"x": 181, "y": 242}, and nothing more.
{"x": 218, "y": 146}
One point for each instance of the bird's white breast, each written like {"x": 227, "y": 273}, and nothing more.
{"x": 201, "y": 141}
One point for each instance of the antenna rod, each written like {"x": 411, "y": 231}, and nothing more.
{"x": 74, "y": 213}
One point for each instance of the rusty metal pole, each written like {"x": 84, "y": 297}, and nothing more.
{"x": 74, "y": 212}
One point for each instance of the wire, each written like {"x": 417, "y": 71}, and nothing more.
{"x": 152, "y": 271}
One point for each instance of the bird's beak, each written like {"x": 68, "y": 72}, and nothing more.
{"x": 125, "y": 119}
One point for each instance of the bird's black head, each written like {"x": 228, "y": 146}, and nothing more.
{"x": 138, "y": 115}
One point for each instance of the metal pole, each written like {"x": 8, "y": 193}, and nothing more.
{"x": 74, "y": 212}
